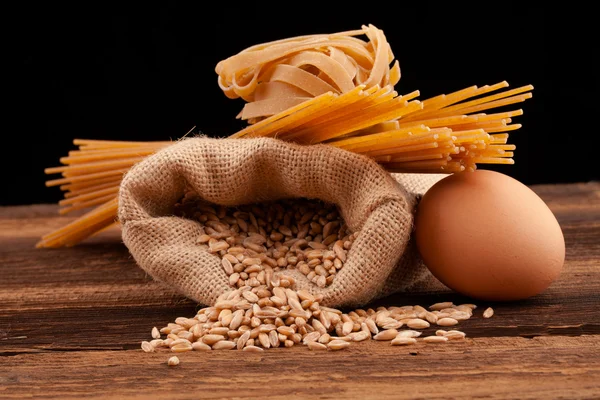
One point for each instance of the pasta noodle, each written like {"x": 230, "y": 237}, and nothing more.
{"x": 335, "y": 89}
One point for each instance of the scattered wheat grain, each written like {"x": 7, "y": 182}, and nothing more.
{"x": 403, "y": 341}
{"x": 488, "y": 312}
{"x": 447, "y": 322}
{"x": 147, "y": 347}
{"x": 435, "y": 339}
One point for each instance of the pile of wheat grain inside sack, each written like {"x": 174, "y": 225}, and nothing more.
{"x": 317, "y": 193}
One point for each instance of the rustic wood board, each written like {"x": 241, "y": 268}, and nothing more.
{"x": 72, "y": 320}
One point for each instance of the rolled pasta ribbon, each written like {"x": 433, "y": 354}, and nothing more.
{"x": 277, "y": 75}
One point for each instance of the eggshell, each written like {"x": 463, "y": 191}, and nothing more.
{"x": 488, "y": 236}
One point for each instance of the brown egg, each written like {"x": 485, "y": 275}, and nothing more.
{"x": 489, "y": 237}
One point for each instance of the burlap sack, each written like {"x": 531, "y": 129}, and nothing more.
{"x": 240, "y": 171}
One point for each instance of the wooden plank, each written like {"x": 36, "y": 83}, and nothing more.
{"x": 100, "y": 276}
{"x": 86, "y": 309}
{"x": 490, "y": 368}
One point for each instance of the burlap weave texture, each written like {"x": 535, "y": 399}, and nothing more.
{"x": 232, "y": 172}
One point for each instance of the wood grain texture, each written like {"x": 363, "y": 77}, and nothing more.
{"x": 491, "y": 368}
{"x": 72, "y": 320}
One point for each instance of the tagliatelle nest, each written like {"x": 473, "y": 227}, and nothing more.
{"x": 275, "y": 76}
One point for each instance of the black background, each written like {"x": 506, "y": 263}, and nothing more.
{"x": 148, "y": 74}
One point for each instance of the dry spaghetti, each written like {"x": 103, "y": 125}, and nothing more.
{"x": 335, "y": 89}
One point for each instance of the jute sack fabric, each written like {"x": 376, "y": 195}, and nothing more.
{"x": 232, "y": 172}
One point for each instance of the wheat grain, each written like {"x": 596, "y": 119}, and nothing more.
{"x": 324, "y": 339}
{"x": 211, "y": 339}
{"x": 488, "y": 312}
{"x": 252, "y": 348}
{"x": 224, "y": 345}
{"x": 147, "y": 347}
{"x": 440, "y": 306}
{"x": 388, "y": 334}
{"x": 221, "y": 330}
{"x": 311, "y": 337}
{"x": 338, "y": 344}
{"x": 465, "y": 308}
{"x": 360, "y": 336}
{"x": 454, "y": 335}
{"x": 430, "y": 317}
{"x": 155, "y": 333}
{"x": 447, "y": 322}
{"x": 461, "y": 315}
{"x": 417, "y": 323}
{"x": 180, "y": 345}
{"x": 316, "y": 346}
{"x": 409, "y": 333}
{"x": 403, "y": 341}
{"x": 347, "y": 327}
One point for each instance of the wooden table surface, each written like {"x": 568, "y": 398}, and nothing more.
{"x": 71, "y": 323}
